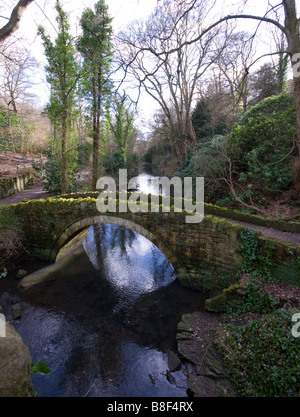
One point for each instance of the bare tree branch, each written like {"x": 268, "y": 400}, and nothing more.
{"x": 14, "y": 21}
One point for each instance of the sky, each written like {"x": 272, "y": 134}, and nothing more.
{"x": 122, "y": 11}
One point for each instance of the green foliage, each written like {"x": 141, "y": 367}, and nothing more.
{"x": 249, "y": 249}
{"x": 214, "y": 115}
{"x": 95, "y": 46}
{"x": 121, "y": 125}
{"x": 260, "y": 149}
{"x": 10, "y": 125}
{"x": 274, "y": 105}
{"x": 201, "y": 119}
{"x": 39, "y": 367}
{"x": 255, "y": 261}
{"x": 112, "y": 162}
{"x": 257, "y": 301}
{"x": 62, "y": 69}
{"x": 157, "y": 157}
{"x": 208, "y": 161}
{"x": 262, "y": 357}
{"x": 62, "y": 75}
{"x": 132, "y": 164}
{"x": 264, "y": 137}
{"x": 51, "y": 172}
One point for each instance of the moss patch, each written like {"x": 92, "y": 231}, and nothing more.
{"x": 230, "y": 298}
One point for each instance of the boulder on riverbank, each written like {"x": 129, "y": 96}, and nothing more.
{"x": 15, "y": 366}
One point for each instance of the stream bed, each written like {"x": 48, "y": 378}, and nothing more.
{"x": 105, "y": 323}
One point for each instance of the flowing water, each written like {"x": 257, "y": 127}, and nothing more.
{"x": 105, "y": 322}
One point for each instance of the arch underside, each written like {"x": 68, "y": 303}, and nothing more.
{"x": 81, "y": 225}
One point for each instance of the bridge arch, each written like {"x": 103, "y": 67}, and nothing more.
{"x": 78, "y": 226}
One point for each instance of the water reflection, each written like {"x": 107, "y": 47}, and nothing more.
{"x": 130, "y": 262}
{"x": 105, "y": 323}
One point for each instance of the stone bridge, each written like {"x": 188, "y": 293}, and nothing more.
{"x": 195, "y": 251}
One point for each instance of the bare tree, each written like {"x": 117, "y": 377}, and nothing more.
{"x": 234, "y": 65}
{"x": 15, "y": 71}
{"x": 13, "y": 22}
{"x": 283, "y": 17}
{"x": 17, "y": 66}
{"x": 170, "y": 79}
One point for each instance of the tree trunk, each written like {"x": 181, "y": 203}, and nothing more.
{"x": 296, "y": 164}
{"x": 191, "y": 131}
{"x": 297, "y": 103}
{"x": 95, "y": 151}
{"x": 64, "y": 154}
{"x": 292, "y": 34}
{"x": 96, "y": 128}
{"x": 10, "y": 132}
{"x": 96, "y": 147}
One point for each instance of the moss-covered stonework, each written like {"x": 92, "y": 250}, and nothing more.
{"x": 225, "y": 212}
{"x": 193, "y": 249}
{"x": 285, "y": 226}
{"x": 9, "y": 186}
{"x": 231, "y": 297}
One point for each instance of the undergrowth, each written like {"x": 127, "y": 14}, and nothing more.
{"x": 261, "y": 356}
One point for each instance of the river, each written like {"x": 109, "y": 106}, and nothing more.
{"x": 105, "y": 324}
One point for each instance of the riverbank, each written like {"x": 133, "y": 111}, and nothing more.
{"x": 248, "y": 350}
{"x": 207, "y": 376}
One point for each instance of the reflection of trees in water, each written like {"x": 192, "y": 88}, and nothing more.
{"x": 122, "y": 237}
{"x": 109, "y": 244}
{"x": 108, "y": 237}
